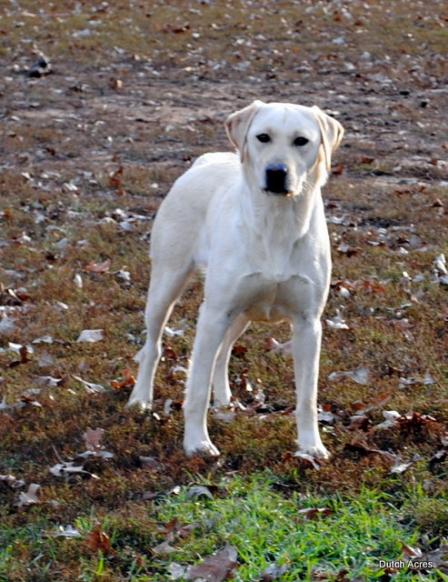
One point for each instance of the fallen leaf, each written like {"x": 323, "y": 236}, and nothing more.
{"x": 309, "y": 459}
{"x": 359, "y": 422}
{"x": 179, "y": 370}
{"x": 7, "y": 325}
{"x": 314, "y": 512}
{"x": 273, "y": 345}
{"x": 98, "y": 541}
{"x": 338, "y": 169}
{"x": 437, "y": 458}
{"x": 169, "y": 353}
{"x": 67, "y": 468}
{"x": 40, "y": 67}
{"x": 338, "y": 322}
{"x": 382, "y": 399}
{"x": 197, "y": 491}
{"x": 414, "y": 421}
{"x": 92, "y": 439}
{"x": 428, "y": 379}
{"x": 176, "y": 571}
{"x": 116, "y": 181}
{"x": 239, "y": 351}
{"x": 274, "y": 572}
{"x": 170, "y": 332}
{"x": 123, "y": 276}
{"x": 346, "y": 249}
{"x": 29, "y": 400}
{"x": 116, "y": 84}
{"x": 44, "y": 339}
{"x": 391, "y": 417}
{"x": 360, "y": 446}
{"x": 438, "y": 557}
{"x": 90, "y": 386}
{"x": 99, "y": 267}
{"x": 4, "y": 406}
{"x": 324, "y": 414}
{"x": 440, "y": 264}
{"x": 359, "y": 375}
{"x": 163, "y": 549}
{"x": 150, "y": 463}
{"x": 11, "y": 481}
{"x": 91, "y": 335}
{"x": 128, "y": 380}
{"x": 167, "y": 406}
{"x": 326, "y": 574}
{"x": 224, "y": 415}
{"x": 77, "y": 279}
{"x": 24, "y": 357}
{"x": 400, "y": 467}
{"x": 30, "y": 497}
{"x": 371, "y": 286}
{"x": 215, "y": 568}
{"x": 69, "y": 532}
{"x": 49, "y": 381}
{"x": 410, "y": 552}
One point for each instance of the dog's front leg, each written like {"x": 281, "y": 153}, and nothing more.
{"x": 306, "y": 350}
{"x": 212, "y": 325}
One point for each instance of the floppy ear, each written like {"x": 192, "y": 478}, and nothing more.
{"x": 331, "y": 132}
{"x": 238, "y": 123}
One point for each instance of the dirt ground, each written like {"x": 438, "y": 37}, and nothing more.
{"x": 138, "y": 90}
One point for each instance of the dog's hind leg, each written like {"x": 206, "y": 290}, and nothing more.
{"x": 221, "y": 388}
{"x": 165, "y": 288}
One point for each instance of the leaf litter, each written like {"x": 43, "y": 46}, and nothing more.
{"x": 374, "y": 150}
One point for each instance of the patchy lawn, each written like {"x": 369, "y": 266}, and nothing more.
{"x": 88, "y": 152}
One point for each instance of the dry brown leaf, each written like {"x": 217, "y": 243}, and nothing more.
{"x": 99, "y": 541}
{"x": 410, "y": 552}
{"x": 215, "y": 568}
{"x": 314, "y": 512}
{"x": 128, "y": 380}
{"x": 24, "y": 357}
{"x": 92, "y": 439}
{"x": 378, "y": 402}
{"x": 371, "y": 286}
{"x": 103, "y": 267}
{"x": 360, "y": 446}
{"x": 116, "y": 181}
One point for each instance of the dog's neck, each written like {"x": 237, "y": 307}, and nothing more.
{"x": 278, "y": 222}
{"x": 263, "y": 212}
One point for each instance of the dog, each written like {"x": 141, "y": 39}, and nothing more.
{"x": 254, "y": 221}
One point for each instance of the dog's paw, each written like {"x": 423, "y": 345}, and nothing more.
{"x": 221, "y": 402}
{"x": 139, "y": 404}
{"x": 317, "y": 451}
{"x": 204, "y": 448}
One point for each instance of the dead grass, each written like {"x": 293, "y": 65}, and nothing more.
{"x": 77, "y": 148}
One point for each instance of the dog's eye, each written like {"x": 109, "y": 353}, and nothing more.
{"x": 301, "y": 141}
{"x": 263, "y": 137}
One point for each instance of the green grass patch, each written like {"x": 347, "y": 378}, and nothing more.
{"x": 261, "y": 516}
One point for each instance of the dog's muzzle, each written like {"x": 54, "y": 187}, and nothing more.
{"x": 276, "y": 179}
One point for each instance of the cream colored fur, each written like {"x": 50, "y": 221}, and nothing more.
{"x": 267, "y": 257}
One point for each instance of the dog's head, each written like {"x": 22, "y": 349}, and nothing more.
{"x": 284, "y": 146}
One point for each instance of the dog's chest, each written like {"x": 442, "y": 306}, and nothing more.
{"x": 271, "y": 249}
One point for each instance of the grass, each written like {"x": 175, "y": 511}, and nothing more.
{"x": 122, "y": 145}
{"x": 252, "y": 514}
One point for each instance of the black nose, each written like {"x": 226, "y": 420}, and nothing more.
{"x": 276, "y": 178}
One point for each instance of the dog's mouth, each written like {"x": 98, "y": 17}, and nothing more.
{"x": 279, "y": 192}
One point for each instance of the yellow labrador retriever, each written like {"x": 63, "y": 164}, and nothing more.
{"x": 255, "y": 220}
